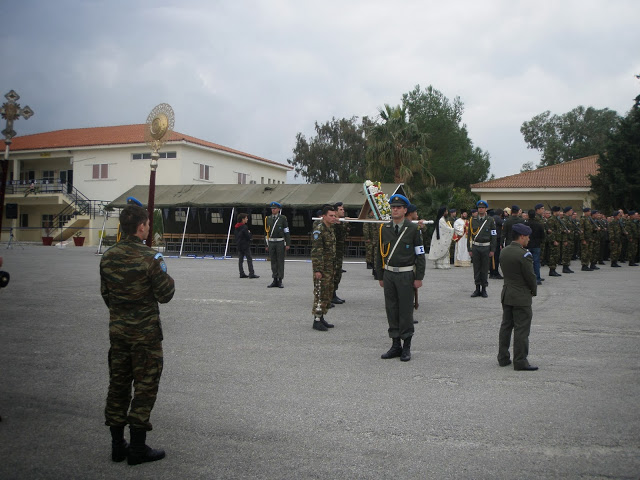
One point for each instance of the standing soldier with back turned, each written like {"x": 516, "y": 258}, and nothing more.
{"x": 133, "y": 280}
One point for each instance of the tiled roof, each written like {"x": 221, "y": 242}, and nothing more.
{"x": 573, "y": 174}
{"x": 103, "y": 136}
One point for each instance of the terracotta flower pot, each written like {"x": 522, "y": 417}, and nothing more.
{"x": 47, "y": 241}
{"x": 78, "y": 241}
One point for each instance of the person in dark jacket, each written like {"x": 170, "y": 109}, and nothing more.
{"x": 494, "y": 272}
{"x": 536, "y": 240}
{"x": 243, "y": 241}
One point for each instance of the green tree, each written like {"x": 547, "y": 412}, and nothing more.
{"x": 575, "y": 134}
{"x": 336, "y": 154}
{"x": 453, "y": 158}
{"x": 617, "y": 183}
{"x": 397, "y": 150}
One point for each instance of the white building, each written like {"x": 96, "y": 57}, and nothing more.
{"x": 61, "y": 179}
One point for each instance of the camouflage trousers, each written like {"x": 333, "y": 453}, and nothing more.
{"x": 322, "y": 294}
{"x": 614, "y": 249}
{"x": 337, "y": 270}
{"x": 567, "y": 252}
{"x": 554, "y": 255}
{"x": 586, "y": 253}
{"x": 140, "y": 364}
{"x": 595, "y": 250}
{"x": 369, "y": 249}
{"x": 632, "y": 251}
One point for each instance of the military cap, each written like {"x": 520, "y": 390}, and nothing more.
{"x": 398, "y": 200}
{"x": 134, "y": 201}
{"x": 412, "y": 208}
{"x": 319, "y": 213}
{"x": 538, "y": 205}
{"x": 515, "y": 208}
{"x": 521, "y": 228}
{"x": 594, "y": 211}
{"x": 452, "y": 210}
{"x": 615, "y": 213}
{"x": 586, "y": 209}
{"x": 474, "y": 210}
{"x": 632, "y": 212}
{"x": 555, "y": 208}
{"x": 275, "y": 205}
{"x": 482, "y": 203}
{"x": 566, "y": 209}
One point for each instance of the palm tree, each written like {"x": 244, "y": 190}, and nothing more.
{"x": 397, "y": 149}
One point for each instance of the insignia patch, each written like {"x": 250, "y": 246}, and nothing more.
{"x": 157, "y": 256}
{"x": 316, "y": 235}
{"x": 419, "y": 250}
{"x": 494, "y": 232}
{"x": 286, "y": 229}
{"x": 528, "y": 254}
{"x": 163, "y": 266}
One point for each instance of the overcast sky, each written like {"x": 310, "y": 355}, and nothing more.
{"x": 251, "y": 74}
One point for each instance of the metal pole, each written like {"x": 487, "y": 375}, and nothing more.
{"x": 229, "y": 232}
{"x": 152, "y": 193}
{"x": 5, "y": 172}
{"x": 186, "y": 220}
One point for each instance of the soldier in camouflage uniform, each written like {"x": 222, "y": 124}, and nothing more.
{"x": 586, "y": 240}
{"x": 278, "y": 241}
{"x": 567, "y": 239}
{"x": 133, "y": 279}
{"x": 633, "y": 227}
{"x": 323, "y": 252}
{"x": 603, "y": 238}
{"x": 367, "y": 235}
{"x": 555, "y": 231}
{"x": 615, "y": 238}
{"x": 401, "y": 249}
{"x": 341, "y": 230}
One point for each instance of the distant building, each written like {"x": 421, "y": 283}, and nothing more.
{"x": 62, "y": 179}
{"x": 563, "y": 184}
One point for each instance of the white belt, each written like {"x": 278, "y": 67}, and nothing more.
{"x": 276, "y": 239}
{"x": 398, "y": 269}
{"x": 481, "y": 244}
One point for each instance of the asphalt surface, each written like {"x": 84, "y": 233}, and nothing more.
{"x": 249, "y": 390}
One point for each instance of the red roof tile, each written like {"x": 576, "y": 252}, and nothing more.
{"x": 102, "y": 136}
{"x": 573, "y": 174}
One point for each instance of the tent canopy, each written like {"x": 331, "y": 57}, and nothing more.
{"x": 256, "y": 195}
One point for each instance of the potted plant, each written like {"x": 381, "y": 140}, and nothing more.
{"x": 47, "y": 238}
{"x": 78, "y": 239}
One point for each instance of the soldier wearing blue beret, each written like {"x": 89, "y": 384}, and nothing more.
{"x": 519, "y": 287}
{"x": 278, "y": 240}
{"x": 481, "y": 243}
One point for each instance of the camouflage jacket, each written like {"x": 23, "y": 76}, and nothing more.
{"x": 133, "y": 279}
{"x": 587, "y": 228}
{"x": 615, "y": 231}
{"x": 341, "y": 231}
{"x": 323, "y": 249}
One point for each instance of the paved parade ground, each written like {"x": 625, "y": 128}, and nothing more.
{"x": 249, "y": 390}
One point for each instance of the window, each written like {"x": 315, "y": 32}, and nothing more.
{"x": 204, "y": 172}
{"x": 47, "y": 221}
{"x": 180, "y": 215}
{"x": 298, "y": 221}
{"x": 24, "y": 220}
{"x": 147, "y": 156}
{"x": 256, "y": 219}
{"x": 216, "y": 217}
{"x": 268, "y": 180}
{"x": 100, "y": 171}
{"x": 242, "y": 178}
{"x": 261, "y": 179}
{"x": 48, "y": 176}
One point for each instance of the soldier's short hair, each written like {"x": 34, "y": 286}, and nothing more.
{"x": 328, "y": 208}
{"x": 130, "y": 217}
{"x": 242, "y": 216}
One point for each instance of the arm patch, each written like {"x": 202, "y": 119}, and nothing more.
{"x": 419, "y": 250}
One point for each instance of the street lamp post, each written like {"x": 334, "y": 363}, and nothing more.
{"x": 10, "y": 111}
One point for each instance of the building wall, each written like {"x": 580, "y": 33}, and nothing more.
{"x": 526, "y": 200}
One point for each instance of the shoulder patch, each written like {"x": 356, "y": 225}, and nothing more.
{"x": 286, "y": 229}
{"x": 316, "y": 234}
{"x": 528, "y": 254}
{"x": 494, "y": 232}
{"x": 158, "y": 256}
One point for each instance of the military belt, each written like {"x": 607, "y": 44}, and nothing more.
{"x": 398, "y": 269}
{"x": 482, "y": 244}
{"x": 276, "y": 239}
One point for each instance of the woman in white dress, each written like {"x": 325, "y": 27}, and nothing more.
{"x": 441, "y": 240}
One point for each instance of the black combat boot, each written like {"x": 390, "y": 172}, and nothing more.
{"x": 600, "y": 262}
{"x": 585, "y": 268}
{"x": 406, "y": 350}
{"x": 477, "y": 292}
{"x": 566, "y": 269}
{"x": 318, "y": 325}
{"x": 594, "y": 267}
{"x": 394, "y": 351}
{"x": 615, "y": 264}
{"x": 483, "y": 293}
{"x": 119, "y": 446}
{"x": 633, "y": 264}
{"x": 325, "y": 323}
{"x": 369, "y": 265}
{"x": 373, "y": 272}
{"x": 139, "y": 452}
{"x": 336, "y": 299}
{"x": 243, "y": 275}
{"x": 280, "y": 283}
{"x": 253, "y": 275}
{"x": 553, "y": 273}
{"x": 273, "y": 284}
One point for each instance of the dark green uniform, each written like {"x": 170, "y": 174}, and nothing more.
{"x": 615, "y": 240}
{"x": 323, "y": 250}
{"x": 586, "y": 239}
{"x": 633, "y": 229}
{"x": 554, "y": 234}
{"x": 481, "y": 240}
{"x": 133, "y": 279}
{"x": 506, "y": 229}
{"x": 518, "y": 289}
{"x": 567, "y": 240}
{"x": 399, "y": 273}
{"x": 278, "y": 238}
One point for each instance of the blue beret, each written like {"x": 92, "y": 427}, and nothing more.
{"x": 632, "y": 212}
{"x": 566, "y": 209}
{"x": 594, "y": 211}
{"x": 538, "y": 205}
{"x": 515, "y": 208}
{"x": 398, "y": 200}
{"x": 412, "y": 208}
{"x": 482, "y": 203}
{"x": 275, "y": 205}
{"x": 474, "y": 210}
{"x": 555, "y": 208}
{"x": 521, "y": 228}
{"x": 586, "y": 209}
{"x": 452, "y": 210}
{"x": 134, "y": 201}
